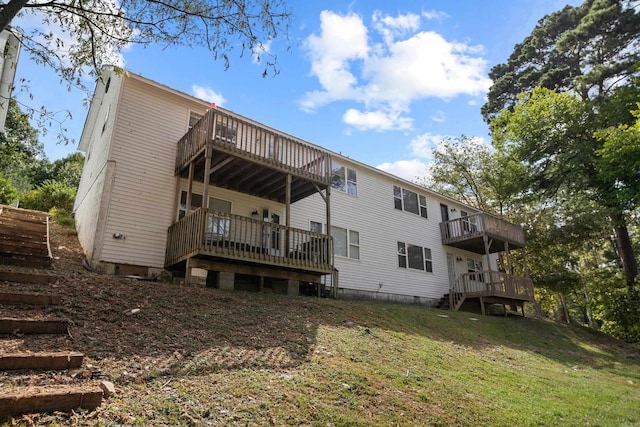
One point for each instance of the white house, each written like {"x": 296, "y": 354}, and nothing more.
{"x": 171, "y": 183}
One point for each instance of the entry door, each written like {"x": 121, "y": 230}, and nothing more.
{"x": 444, "y": 212}
{"x": 271, "y": 238}
{"x": 451, "y": 267}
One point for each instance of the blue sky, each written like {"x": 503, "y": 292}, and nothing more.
{"x": 381, "y": 82}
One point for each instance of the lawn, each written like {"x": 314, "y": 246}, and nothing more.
{"x": 198, "y": 356}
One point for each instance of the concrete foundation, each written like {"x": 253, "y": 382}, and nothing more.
{"x": 220, "y": 279}
{"x": 351, "y": 294}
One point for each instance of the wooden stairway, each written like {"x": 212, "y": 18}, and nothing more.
{"x": 24, "y": 242}
{"x": 49, "y": 398}
{"x": 24, "y": 238}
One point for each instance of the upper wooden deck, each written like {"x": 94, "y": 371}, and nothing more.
{"x": 468, "y": 233}
{"x": 252, "y": 159}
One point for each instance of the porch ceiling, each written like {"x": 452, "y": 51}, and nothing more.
{"x": 476, "y": 244}
{"x": 249, "y": 177}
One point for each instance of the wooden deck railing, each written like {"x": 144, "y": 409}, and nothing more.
{"x": 490, "y": 283}
{"x": 209, "y": 232}
{"x": 471, "y": 226}
{"x": 235, "y": 136}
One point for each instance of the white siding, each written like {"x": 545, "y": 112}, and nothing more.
{"x": 128, "y": 187}
{"x": 381, "y": 226}
{"x": 241, "y": 204}
{"x": 87, "y": 207}
{"x": 148, "y": 124}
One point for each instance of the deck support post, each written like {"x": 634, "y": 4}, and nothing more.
{"x": 287, "y": 244}
{"x": 482, "y": 306}
{"x": 327, "y": 201}
{"x": 508, "y": 255}
{"x": 187, "y": 207}
{"x": 187, "y": 274}
{"x": 207, "y": 176}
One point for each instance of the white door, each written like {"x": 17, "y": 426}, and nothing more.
{"x": 271, "y": 238}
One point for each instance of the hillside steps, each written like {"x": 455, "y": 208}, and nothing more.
{"x": 51, "y": 397}
{"x": 24, "y": 238}
{"x": 443, "y": 303}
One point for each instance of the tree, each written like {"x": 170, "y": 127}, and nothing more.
{"x": 99, "y": 29}
{"x": 21, "y": 153}
{"x": 67, "y": 171}
{"x": 589, "y": 49}
{"x": 589, "y": 55}
{"x": 469, "y": 170}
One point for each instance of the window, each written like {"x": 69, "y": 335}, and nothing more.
{"x": 193, "y": 118}
{"x": 409, "y": 201}
{"x": 344, "y": 179}
{"x": 226, "y": 132}
{"x": 475, "y": 266}
{"x": 196, "y": 202}
{"x": 346, "y": 243}
{"x": 106, "y": 120}
{"x": 315, "y": 227}
{"x": 416, "y": 257}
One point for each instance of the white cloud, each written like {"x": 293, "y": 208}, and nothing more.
{"x": 386, "y": 77}
{"x": 439, "y": 117}
{"x": 406, "y": 169}
{"x": 391, "y": 27}
{"x": 434, "y": 14}
{"x": 342, "y": 39}
{"x": 259, "y": 50}
{"x": 376, "y": 120}
{"x": 208, "y": 94}
{"x": 422, "y": 145}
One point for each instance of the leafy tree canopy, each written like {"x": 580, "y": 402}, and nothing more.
{"x": 79, "y": 37}
{"x": 589, "y": 49}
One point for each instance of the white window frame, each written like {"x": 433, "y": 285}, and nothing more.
{"x": 348, "y": 185}
{"x": 425, "y": 255}
{"x": 399, "y": 195}
{"x": 352, "y": 247}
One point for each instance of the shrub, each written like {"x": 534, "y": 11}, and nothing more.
{"x": 50, "y": 194}
{"x": 62, "y": 217}
{"x": 8, "y": 193}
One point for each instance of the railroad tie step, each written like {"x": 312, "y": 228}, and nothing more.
{"x": 29, "y": 298}
{"x": 33, "y": 326}
{"x": 49, "y": 399}
{"x": 41, "y": 361}
{"x": 18, "y": 277}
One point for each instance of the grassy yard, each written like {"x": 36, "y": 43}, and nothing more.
{"x": 247, "y": 359}
{"x": 197, "y": 356}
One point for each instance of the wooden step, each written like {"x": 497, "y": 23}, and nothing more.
{"x": 29, "y": 298}
{"x": 18, "y": 277}
{"x": 25, "y": 260}
{"x": 33, "y": 326}
{"x": 42, "y": 361}
{"x": 49, "y": 399}
{"x": 24, "y": 246}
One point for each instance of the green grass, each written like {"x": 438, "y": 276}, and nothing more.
{"x": 251, "y": 359}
